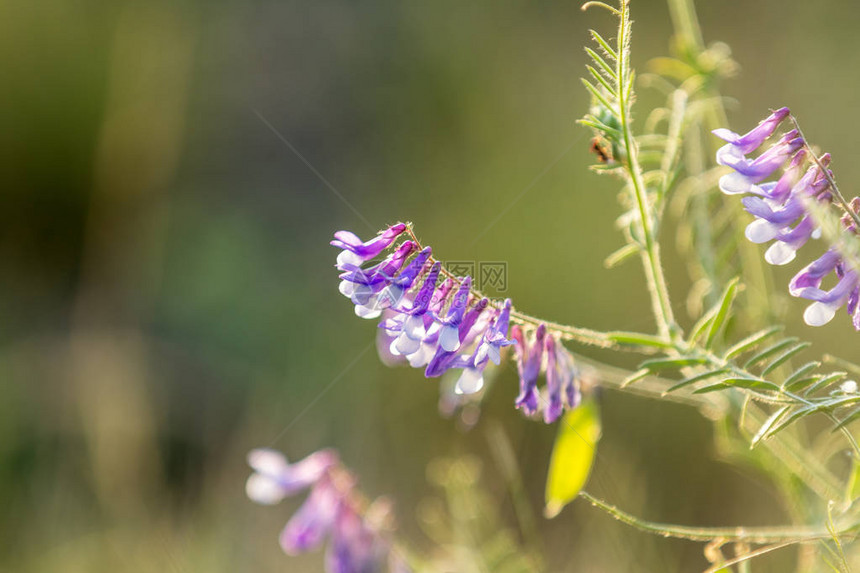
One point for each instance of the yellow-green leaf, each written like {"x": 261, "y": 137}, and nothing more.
{"x": 852, "y": 491}
{"x": 572, "y": 456}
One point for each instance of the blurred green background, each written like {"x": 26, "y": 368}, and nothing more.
{"x": 171, "y": 175}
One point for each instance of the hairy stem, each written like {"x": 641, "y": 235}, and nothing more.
{"x": 651, "y": 252}
{"x": 748, "y": 534}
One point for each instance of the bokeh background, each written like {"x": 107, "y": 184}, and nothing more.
{"x": 171, "y": 174}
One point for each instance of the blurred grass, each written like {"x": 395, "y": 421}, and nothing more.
{"x": 168, "y": 300}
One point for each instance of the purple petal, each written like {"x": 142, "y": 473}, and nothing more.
{"x": 754, "y": 138}
{"x": 314, "y": 519}
{"x": 367, "y": 250}
{"x": 553, "y": 382}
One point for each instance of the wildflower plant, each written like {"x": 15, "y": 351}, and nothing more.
{"x": 764, "y": 185}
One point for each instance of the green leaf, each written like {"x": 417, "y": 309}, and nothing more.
{"x": 604, "y": 44}
{"x": 770, "y": 351}
{"x": 746, "y": 383}
{"x": 696, "y": 378}
{"x": 852, "y": 490}
{"x": 609, "y": 87}
{"x": 801, "y": 383}
{"x": 572, "y": 456}
{"x": 638, "y": 339}
{"x": 799, "y": 377}
{"x": 788, "y": 420}
{"x": 751, "y": 341}
{"x": 599, "y": 96}
{"x": 635, "y": 377}
{"x": 848, "y": 419}
{"x": 596, "y": 124}
{"x": 826, "y": 381}
{"x": 701, "y": 325}
{"x": 784, "y": 357}
{"x": 722, "y": 311}
{"x": 602, "y": 63}
{"x": 768, "y": 424}
{"x": 658, "y": 364}
{"x": 621, "y": 254}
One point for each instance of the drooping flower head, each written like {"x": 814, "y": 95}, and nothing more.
{"x": 334, "y": 509}
{"x": 783, "y": 212}
{"x": 433, "y": 320}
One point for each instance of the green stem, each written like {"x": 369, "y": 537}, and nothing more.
{"x": 686, "y": 25}
{"x": 651, "y": 253}
{"x": 756, "y": 535}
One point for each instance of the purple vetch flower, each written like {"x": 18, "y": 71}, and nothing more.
{"x": 465, "y": 335}
{"x": 775, "y": 216}
{"x": 397, "y": 286}
{"x": 308, "y": 527}
{"x": 784, "y": 214}
{"x": 449, "y": 335}
{"x": 806, "y": 284}
{"x": 355, "y": 252}
{"x": 358, "y": 530}
{"x": 748, "y": 172}
{"x": 354, "y": 548}
{"x": 367, "y": 284}
{"x": 751, "y": 141}
{"x": 445, "y": 326}
{"x": 274, "y": 478}
{"x": 529, "y": 358}
{"x": 545, "y": 353}
{"x": 570, "y": 383}
{"x": 494, "y": 338}
{"x": 412, "y": 326}
{"x": 554, "y": 382}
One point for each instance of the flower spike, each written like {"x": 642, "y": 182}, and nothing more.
{"x": 444, "y": 326}
{"x": 784, "y": 213}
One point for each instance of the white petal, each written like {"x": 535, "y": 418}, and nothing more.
{"x": 761, "y": 231}
{"x": 267, "y": 461}
{"x": 729, "y": 154}
{"x": 414, "y": 327}
{"x": 406, "y": 345}
{"x": 470, "y": 381}
{"x": 734, "y": 184}
{"x": 816, "y": 234}
{"x": 389, "y": 297}
{"x": 495, "y": 354}
{"x": 263, "y": 489}
{"x": 348, "y": 258}
{"x": 449, "y": 338}
{"x": 849, "y": 387}
{"x": 818, "y": 314}
{"x": 346, "y": 288}
{"x": 363, "y": 295}
{"x": 481, "y": 353}
{"x": 422, "y": 357}
{"x": 392, "y": 348}
{"x": 367, "y": 312}
{"x": 779, "y": 253}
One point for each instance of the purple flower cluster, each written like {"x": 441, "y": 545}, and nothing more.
{"x": 431, "y": 323}
{"x": 330, "y": 510}
{"x": 440, "y": 324}
{"x": 782, "y": 214}
{"x": 544, "y": 352}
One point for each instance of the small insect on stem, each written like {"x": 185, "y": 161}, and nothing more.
{"x": 601, "y": 147}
